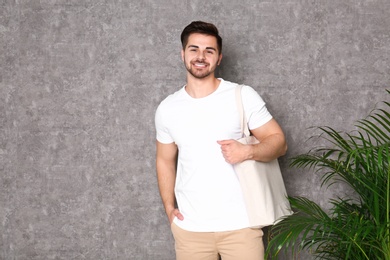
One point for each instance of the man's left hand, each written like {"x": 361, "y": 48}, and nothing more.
{"x": 233, "y": 151}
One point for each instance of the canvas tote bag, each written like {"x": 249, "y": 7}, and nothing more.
{"x": 261, "y": 183}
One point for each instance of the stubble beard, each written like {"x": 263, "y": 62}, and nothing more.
{"x": 198, "y": 73}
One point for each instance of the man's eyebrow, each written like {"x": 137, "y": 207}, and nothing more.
{"x": 207, "y": 48}
{"x": 211, "y": 48}
{"x": 192, "y": 46}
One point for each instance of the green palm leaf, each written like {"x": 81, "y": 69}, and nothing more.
{"x": 353, "y": 228}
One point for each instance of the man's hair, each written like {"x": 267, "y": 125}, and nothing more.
{"x": 202, "y": 28}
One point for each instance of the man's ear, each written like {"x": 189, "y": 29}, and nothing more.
{"x": 219, "y": 59}
{"x": 182, "y": 55}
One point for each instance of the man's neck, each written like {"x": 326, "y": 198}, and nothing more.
{"x": 199, "y": 88}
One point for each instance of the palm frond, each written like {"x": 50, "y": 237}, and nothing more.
{"x": 358, "y": 228}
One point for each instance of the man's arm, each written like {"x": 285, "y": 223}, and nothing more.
{"x": 272, "y": 142}
{"x": 166, "y": 176}
{"x": 272, "y": 145}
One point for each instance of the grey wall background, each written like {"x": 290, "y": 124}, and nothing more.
{"x": 80, "y": 82}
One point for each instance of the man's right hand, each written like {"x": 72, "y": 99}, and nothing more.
{"x": 174, "y": 213}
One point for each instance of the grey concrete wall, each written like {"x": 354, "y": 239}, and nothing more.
{"x": 80, "y": 82}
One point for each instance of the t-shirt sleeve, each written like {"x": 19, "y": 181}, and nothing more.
{"x": 256, "y": 112}
{"x": 162, "y": 133}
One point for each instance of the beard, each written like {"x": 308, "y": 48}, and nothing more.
{"x": 200, "y": 73}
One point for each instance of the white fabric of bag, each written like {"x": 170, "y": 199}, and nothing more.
{"x": 261, "y": 183}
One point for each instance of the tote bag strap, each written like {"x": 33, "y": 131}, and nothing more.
{"x": 244, "y": 125}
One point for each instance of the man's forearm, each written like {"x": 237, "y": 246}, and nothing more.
{"x": 166, "y": 177}
{"x": 269, "y": 149}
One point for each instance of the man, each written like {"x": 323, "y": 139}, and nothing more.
{"x": 197, "y": 128}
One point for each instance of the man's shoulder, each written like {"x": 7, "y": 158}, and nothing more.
{"x": 226, "y": 85}
{"x": 171, "y": 100}
{"x": 232, "y": 85}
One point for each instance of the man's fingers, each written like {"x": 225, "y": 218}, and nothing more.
{"x": 224, "y": 142}
{"x": 178, "y": 214}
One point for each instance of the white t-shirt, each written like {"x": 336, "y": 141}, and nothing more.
{"x": 207, "y": 189}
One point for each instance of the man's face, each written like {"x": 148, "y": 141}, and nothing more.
{"x": 201, "y": 56}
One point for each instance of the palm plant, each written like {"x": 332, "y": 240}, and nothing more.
{"x": 358, "y": 227}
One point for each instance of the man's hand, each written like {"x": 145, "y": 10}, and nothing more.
{"x": 174, "y": 213}
{"x": 234, "y": 152}
{"x": 272, "y": 144}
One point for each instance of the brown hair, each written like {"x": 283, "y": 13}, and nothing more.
{"x": 202, "y": 28}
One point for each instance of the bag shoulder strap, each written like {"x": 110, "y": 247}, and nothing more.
{"x": 240, "y": 106}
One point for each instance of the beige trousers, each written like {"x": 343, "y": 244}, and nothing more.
{"x": 243, "y": 244}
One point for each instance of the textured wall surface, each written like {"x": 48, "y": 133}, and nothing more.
{"x": 80, "y": 81}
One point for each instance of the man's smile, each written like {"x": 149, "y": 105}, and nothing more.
{"x": 200, "y": 65}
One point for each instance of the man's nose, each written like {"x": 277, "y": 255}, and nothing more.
{"x": 201, "y": 55}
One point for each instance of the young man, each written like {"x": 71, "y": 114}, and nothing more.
{"x": 196, "y": 131}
